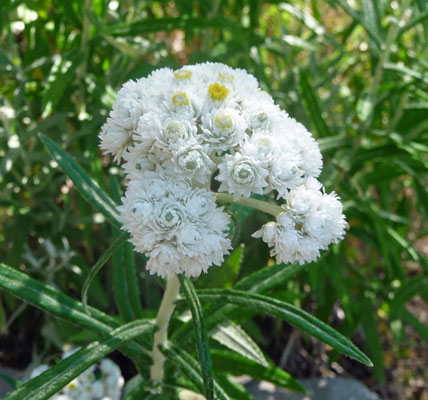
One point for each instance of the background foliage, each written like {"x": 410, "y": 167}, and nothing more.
{"x": 355, "y": 73}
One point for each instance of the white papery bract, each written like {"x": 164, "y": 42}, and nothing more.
{"x": 99, "y": 382}
{"x": 178, "y": 131}
{"x": 180, "y": 227}
{"x": 310, "y": 222}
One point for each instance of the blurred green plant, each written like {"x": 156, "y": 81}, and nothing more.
{"x": 357, "y": 75}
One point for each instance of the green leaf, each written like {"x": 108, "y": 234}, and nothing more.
{"x": 235, "y": 338}
{"x": 406, "y": 71}
{"x": 411, "y": 287}
{"x": 125, "y": 282}
{"x": 237, "y": 365}
{"x": 189, "y": 366}
{"x": 310, "y": 22}
{"x": 260, "y": 281}
{"x": 51, "y": 381}
{"x": 419, "y": 327}
{"x": 201, "y": 336}
{"x": 233, "y": 388}
{"x": 422, "y": 17}
{"x": 83, "y": 182}
{"x": 310, "y": 101}
{"x": 298, "y": 42}
{"x": 60, "y": 305}
{"x": 268, "y": 278}
{"x": 121, "y": 239}
{"x": 359, "y": 19}
{"x": 225, "y": 275}
{"x": 13, "y": 383}
{"x": 365, "y": 106}
{"x": 373, "y": 339}
{"x": 371, "y": 16}
{"x": 184, "y": 22}
{"x": 289, "y": 313}
{"x": 60, "y": 76}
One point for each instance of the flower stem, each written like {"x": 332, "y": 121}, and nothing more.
{"x": 264, "y": 206}
{"x": 162, "y": 320}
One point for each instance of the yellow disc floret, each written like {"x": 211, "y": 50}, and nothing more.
{"x": 182, "y": 74}
{"x": 217, "y": 91}
{"x": 180, "y": 99}
{"x": 224, "y": 121}
{"x": 226, "y": 77}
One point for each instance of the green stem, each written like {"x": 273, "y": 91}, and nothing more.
{"x": 264, "y": 206}
{"x": 162, "y": 320}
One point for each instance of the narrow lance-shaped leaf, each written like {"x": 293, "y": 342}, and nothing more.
{"x": 102, "y": 260}
{"x": 83, "y": 182}
{"x": 235, "y": 338}
{"x": 260, "y": 281}
{"x": 51, "y": 381}
{"x": 356, "y": 15}
{"x": 373, "y": 338}
{"x": 411, "y": 287}
{"x": 62, "y": 306}
{"x": 418, "y": 326}
{"x": 201, "y": 336}
{"x": 312, "y": 106}
{"x": 125, "y": 287}
{"x": 233, "y": 388}
{"x": 189, "y": 366}
{"x": 235, "y": 364}
{"x": 289, "y": 313}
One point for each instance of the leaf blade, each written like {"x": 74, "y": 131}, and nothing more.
{"x": 201, "y": 336}
{"x": 62, "y": 306}
{"x": 235, "y": 364}
{"x": 51, "y": 381}
{"x": 289, "y": 313}
{"x": 120, "y": 240}
{"x": 189, "y": 367}
{"x": 235, "y": 338}
{"x": 83, "y": 182}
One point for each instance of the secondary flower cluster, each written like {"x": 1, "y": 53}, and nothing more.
{"x": 102, "y": 381}
{"x": 180, "y": 226}
{"x": 178, "y": 132}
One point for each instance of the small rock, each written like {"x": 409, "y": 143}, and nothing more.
{"x": 316, "y": 389}
{"x": 4, "y": 386}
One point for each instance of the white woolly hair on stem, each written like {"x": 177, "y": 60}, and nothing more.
{"x": 162, "y": 321}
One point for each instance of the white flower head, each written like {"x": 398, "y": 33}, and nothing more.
{"x": 138, "y": 160}
{"x": 176, "y": 131}
{"x": 180, "y": 228}
{"x": 192, "y": 161}
{"x": 222, "y": 129}
{"x": 242, "y": 175}
{"x": 115, "y": 139}
{"x": 285, "y": 173}
{"x": 311, "y": 221}
{"x": 200, "y": 204}
{"x": 169, "y": 216}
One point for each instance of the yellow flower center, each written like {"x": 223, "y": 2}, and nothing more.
{"x": 226, "y": 77}
{"x": 182, "y": 74}
{"x": 224, "y": 121}
{"x": 217, "y": 91}
{"x": 180, "y": 99}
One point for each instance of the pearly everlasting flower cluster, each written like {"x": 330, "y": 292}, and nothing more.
{"x": 102, "y": 381}
{"x": 180, "y": 133}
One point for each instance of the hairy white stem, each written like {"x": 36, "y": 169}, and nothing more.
{"x": 261, "y": 205}
{"x": 162, "y": 320}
